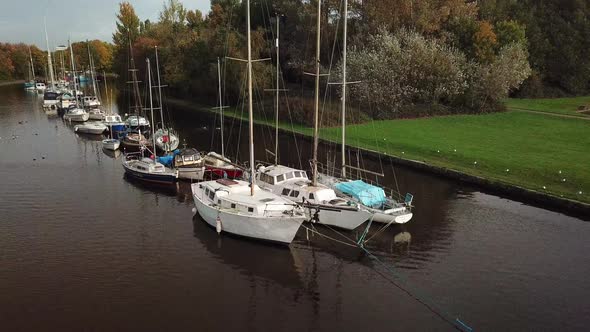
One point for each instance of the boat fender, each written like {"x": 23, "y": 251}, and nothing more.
{"x": 218, "y": 225}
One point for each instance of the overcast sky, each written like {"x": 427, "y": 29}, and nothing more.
{"x": 22, "y": 20}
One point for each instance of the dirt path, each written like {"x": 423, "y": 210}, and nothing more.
{"x": 551, "y": 114}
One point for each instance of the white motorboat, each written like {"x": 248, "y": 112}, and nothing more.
{"x": 115, "y": 124}
{"x": 94, "y": 128}
{"x": 111, "y": 144}
{"x": 293, "y": 184}
{"x": 75, "y": 114}
{"x": 96, "y": 114}
{"x": 146, "y": 169}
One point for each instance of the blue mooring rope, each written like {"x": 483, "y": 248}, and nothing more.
{"x": 457, "y": 323}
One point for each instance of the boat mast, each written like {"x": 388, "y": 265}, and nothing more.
{"x": 277, "y": 99}
{"x": 136, "y": 98}
{"x": 74, "y": 73}
{"x": 49, "y": 62}
{"x": 91, "y": 64}
{"x": 344, "y": 89}
{"x": 32, "y": 65}
{"x": 250, "y": 109}
{"x": 159, "y": 91}
{"x": 149, "y": 70}
{"x": 106, "y": 92}
{"x": 314, "y": 161}
{"x": 220, "y": 105}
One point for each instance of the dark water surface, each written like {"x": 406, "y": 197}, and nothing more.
{"x": 81, "y": 248}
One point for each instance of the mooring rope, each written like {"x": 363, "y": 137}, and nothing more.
{"x": 430, "y": 305}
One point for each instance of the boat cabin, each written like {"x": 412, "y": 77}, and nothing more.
{"x": 112, "y": 118}
{"x": 188, "y": 157}
{"x": 235, "y": 195}
{"x": 275, "y": 175}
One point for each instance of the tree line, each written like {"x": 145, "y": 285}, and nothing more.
{"x": 15, "y": 59}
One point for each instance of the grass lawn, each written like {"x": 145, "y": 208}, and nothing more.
{"x": 549, "y": 105}
{"x": 524, "y": 149}
{"x": 528, "y": 150}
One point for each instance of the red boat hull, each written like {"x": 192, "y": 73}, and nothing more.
{"x": 231, "y": 173}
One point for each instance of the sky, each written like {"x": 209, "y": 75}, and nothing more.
{"x": 22, "y": 20}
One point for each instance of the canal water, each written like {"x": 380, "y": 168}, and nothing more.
{"x": 83, "y": 248}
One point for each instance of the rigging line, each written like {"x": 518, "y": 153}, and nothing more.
{"x": 456, "y": 323}
{"x": 327, "y": 237}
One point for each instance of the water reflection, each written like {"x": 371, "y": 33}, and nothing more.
{"x": 263, "y": 260}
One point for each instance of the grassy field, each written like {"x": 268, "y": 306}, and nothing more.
{"x": 533, "y": 151}
{"x": 550, "y": 105}
{"x": 540, "y": 152}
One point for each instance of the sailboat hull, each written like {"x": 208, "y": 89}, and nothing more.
{"x": 274, "y": 229}
{"x": 191, "y": 173}
{"x": 348, "y": 219}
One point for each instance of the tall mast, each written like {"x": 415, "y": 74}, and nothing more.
{"x": 74, "y": 72}
{"x": 106, "y": 92}
{"x": 344, "y": 89}
{"x": 91, "y": 64}
{"x": 149, "y": 70}
{"x": 277, "y": 99}
{"x": 32, "y": 65}
{"x": 220, "y": 105}
{"x": 137, "y": 107}
{"x": 250, "y": 109}
{"x": 159, "y": 91}
{"x": 317, "y": 101}
{"x": 49, "y": 62}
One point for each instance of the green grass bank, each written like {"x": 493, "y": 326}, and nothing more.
{"x": 543, "y": 153}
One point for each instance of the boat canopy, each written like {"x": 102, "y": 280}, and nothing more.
{"x": 367, "y": 194}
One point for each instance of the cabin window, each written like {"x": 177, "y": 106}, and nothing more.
{"x": 280, "y": 178}
{"x": 219, "y": 201}
{"x": 297, "y": 174}
{"x": 233, "y": 206}
{"x": 285, "y": 192}
{"x": 211, "y": 195}
{"x": 250, "y": 209}
{"x": 304, "y": 174}
{"x": 289, "y": 175}
{"x": 311, "y": 196}
{"x": 294, "y": 193}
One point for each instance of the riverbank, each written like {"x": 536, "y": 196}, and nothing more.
{"x": 535, "y": 157}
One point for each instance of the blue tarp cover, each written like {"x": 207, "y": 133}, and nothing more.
{"x": 367, "y": 194}
{"x": 168, "y": 159}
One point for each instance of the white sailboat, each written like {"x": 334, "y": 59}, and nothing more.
{"x": 93, "y": 128}
{"x": 217, "y": 164}
{"x": 113, "y": 123}
{"x": 75, "y": 113}
{"x": 371, "y": 198}
{"x": 166, "y": 138}
{"x": 147, "y": 169}
{"x": 320, "y": 200}
{"x": 50, "y": 95}
{"x": 240, "y": 207}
